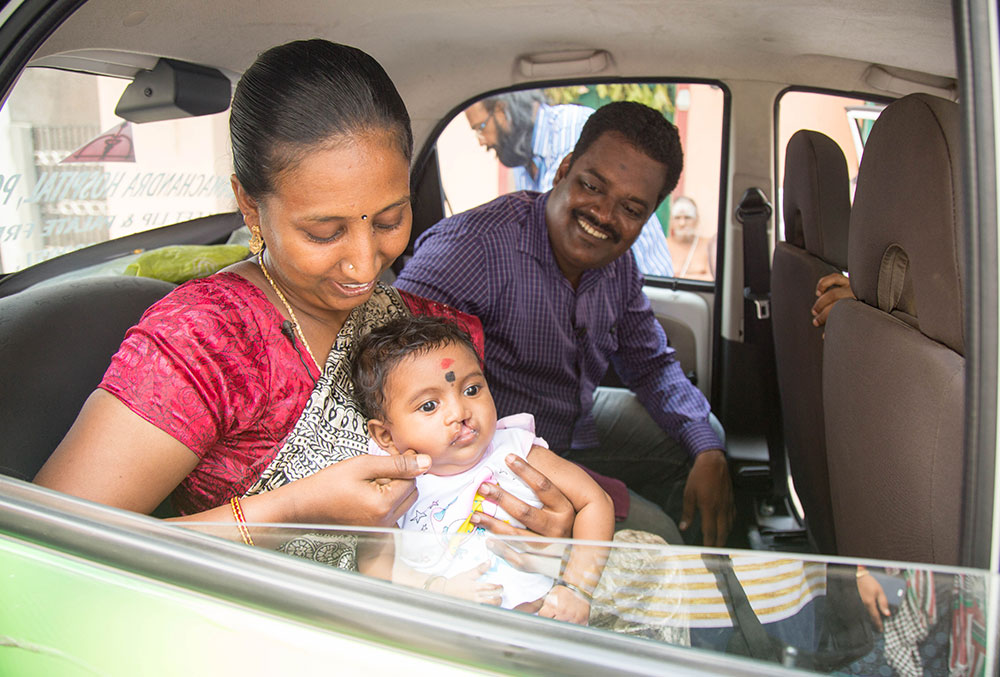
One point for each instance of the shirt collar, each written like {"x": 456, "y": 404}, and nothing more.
{"x": 535, "y": 243}
{"x": 535, "y": 238}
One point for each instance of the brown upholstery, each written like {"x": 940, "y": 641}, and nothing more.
{"x": 893, "y": 371}
{"x": 816, "y": 207}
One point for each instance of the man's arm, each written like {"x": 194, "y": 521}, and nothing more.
{"x": 648, "y": 366}
{"x": 651, "y": 370}
{"x": 449, "y": 266}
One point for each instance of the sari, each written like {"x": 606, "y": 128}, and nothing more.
{"x": 332, "y": 428}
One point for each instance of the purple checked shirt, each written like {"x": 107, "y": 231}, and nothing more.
{"x": 548, "y": 345}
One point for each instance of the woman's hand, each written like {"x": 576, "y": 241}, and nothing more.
{"x": 554, "y": 519}
{"x": 830, "y": 289}
{"x": 873, "y": 597}
{"x": 364, "y": 490}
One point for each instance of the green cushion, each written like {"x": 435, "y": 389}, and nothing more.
{"x": 179, "y": 263}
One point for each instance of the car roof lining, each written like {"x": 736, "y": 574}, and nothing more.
{"x": 449, "y": 56}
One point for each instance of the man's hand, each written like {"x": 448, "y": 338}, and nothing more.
{"x": 830, "y": 289}
{"x": 710, "y": 490}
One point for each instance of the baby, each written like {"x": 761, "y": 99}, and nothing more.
{"x": 420, "y": 383}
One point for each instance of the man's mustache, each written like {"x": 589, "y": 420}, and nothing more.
{"x": 616, "y": 237}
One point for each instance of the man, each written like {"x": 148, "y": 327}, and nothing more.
{"x": 532, "y": 137}
{"x": 545, "y": 273}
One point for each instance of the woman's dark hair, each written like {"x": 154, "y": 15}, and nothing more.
{"x": 644, "y": 128}
{"x": 385, "y": 347}
{"x": 304, "y": 94}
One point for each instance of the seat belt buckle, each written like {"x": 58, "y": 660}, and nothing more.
{"x": 762, "y": 302}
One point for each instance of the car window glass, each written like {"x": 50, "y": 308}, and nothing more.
{"x": 811, "y": 611}
{"x": 515, "y": 141}
{"x": 73, "y": 174}
{"x": 846, "y": 120}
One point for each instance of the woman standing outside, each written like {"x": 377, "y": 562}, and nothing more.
{"x": 232, "y": 394}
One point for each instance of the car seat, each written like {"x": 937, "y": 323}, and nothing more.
{"x": 56, "y": 342}
{"x": 893, "y": 363}
{"x": 816, "y": 208}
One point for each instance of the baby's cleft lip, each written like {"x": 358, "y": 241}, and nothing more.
{"x": 465, "y": 435}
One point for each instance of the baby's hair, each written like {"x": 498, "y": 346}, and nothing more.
{"x": 385, "y": 347}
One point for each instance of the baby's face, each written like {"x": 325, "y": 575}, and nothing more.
{"x": 437, "y": 403}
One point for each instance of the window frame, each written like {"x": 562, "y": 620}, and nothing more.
{"x": 424, "y": 185}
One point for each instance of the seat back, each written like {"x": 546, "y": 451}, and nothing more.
{"x": 894, "y": 365}
{"x": 55, "y": 344}
{"x": 816, "y": 208}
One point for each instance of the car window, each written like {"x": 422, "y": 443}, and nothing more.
{"x": 515, "y": 140}
{"x": 76, "y": 175}
{"x": 846, "y": 120}
{"x": 807, "y": 607}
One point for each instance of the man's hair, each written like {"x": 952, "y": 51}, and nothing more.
{"x": 646, "y": 129}
{"x": 383, "y": 348}
{"x": 519, "y": 107}
{"x": 684, "y": 199}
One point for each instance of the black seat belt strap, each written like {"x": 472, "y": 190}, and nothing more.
{"x": 753, "y": 213}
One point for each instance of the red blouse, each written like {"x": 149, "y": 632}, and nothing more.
{"x": 209, "y": 366}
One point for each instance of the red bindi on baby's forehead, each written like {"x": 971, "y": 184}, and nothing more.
{"x": 447, "y": 362}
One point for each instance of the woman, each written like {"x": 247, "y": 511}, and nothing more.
{"x": 235, "y": 386}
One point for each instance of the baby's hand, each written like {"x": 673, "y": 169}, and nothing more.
{"x": 563, "y": 604}
{"x": 468, "y": 586}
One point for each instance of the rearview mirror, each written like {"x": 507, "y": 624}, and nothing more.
{"x": 174, "y": 89}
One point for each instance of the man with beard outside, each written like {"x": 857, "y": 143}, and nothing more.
{"x": 688, "y": 247}
{"x": 532, "y": 137}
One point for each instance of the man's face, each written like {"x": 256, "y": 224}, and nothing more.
{"x": 486, "y": 125}
{"x": 683, "y": 221}
{"x": 598, "y": 207}
{"x": 495, "y": 131}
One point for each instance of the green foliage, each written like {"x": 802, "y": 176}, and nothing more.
{"x": 658, "y": 96}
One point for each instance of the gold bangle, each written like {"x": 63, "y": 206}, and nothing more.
{"x": 241, "y": 522}
{"x": 431, "y": 581}
{"x": 575, "y": 588}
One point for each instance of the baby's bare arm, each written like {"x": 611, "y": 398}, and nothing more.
{"x": 376, "y": 555}
{"x": 595, "y": 518}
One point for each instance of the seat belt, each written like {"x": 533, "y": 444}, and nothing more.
{"x": 749, "y": 637}
{"x": 753, "y": 213}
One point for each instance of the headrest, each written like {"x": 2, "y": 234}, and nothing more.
{"x": 817, "y": 198}
{"x": 906, "y": 240}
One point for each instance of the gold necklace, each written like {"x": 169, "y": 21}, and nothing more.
{"x": 288, "y": 307}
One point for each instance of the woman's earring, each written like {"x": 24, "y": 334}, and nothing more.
{"x": 256, "y": 243}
